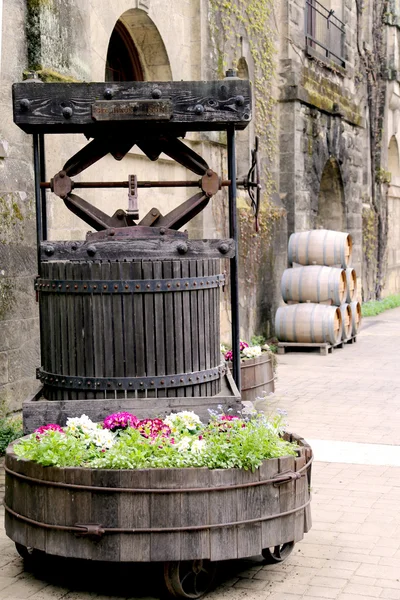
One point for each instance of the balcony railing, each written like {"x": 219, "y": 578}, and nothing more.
{"x": 325, "y": 33}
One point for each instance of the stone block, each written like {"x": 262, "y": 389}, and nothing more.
{"x": 3, "y": 367}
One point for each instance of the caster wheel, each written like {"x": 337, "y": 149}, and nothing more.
{"x": 28, "y": 554}
{"x": 189, "y": 579}
{"x": 277, "y": 554}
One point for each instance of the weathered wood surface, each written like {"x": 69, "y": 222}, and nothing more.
{"x": 41, "y": 107}
{"x": 257, "y": 375}
{"x": 116, "y": 339}
{"x": 219, "y": 515}
{"x": 153, "y": 249}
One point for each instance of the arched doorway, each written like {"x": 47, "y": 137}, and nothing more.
{"x": 331, "y": 206}
{"x": 136, "y": 51}
{"x": 123, "y": 62}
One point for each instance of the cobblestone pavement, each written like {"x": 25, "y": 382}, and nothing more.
{"x": 353, "y": 549}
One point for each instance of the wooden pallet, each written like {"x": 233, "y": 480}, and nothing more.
{"x": 324, "y": 348}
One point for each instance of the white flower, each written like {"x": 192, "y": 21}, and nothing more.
{"x": 103, "y": 438}
{"x": 198, "y": 446}
{"x": 183, "y": 445}
{"x": 83, "y": 422}
{"x": 252, "y": 352}
{"x": 185, "y": 419}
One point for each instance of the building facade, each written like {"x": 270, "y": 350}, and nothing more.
{"x": 326, "y": 107}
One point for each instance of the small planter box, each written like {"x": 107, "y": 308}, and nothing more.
{"x": 257, "y": 375}
{"x": 186, "y": 518}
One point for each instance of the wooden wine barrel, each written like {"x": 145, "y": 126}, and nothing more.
{"x": 320, "y": 247}
{"x": 130, "y": 327}
{"x": 314, "y": 284}
{"x": 351, "y": 278}
{"x": 257, "y": 376}
{"x": 158, "y": 514}
{"x": 308, "y": 323}
{"x": 356, "y": 317}
{"x": 347, "y": 322}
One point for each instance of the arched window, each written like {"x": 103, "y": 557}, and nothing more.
{"x": 123, "y": 62}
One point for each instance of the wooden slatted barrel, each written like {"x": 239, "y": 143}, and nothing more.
{"x": 320, "y": 247}
{"x": 351, "y": 277}
{"x": 314, "y": 284}
{"x": 308, "y": 323}
{"x": 130, "y": 327}
{"x": 347, "y": 321}
{"x": 356, "y": 317}
{"x": 158, "y": 514}
{"x": 257, "y": 377}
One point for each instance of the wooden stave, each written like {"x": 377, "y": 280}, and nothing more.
{"x": 356, "y": 316}
{"x": 331, "y": 322}
{"x": 347, "y": 316}
{"x": 100, "y": 319}
{"x": 314, "y": 283}
{"x": 257, "y": 375}
{"x": 62, "y": 506}
{"x": 321, "y": 247}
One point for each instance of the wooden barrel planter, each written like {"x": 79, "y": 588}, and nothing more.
{"x": 347, "y": 321}
{"x": 308, "y": 323}
{"x": 320, "y": 247}
{"x": 314, "y": 284}
{"x": 186, "y": 518}
{"x": 257, "y": 376}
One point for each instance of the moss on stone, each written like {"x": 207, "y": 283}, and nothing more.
{"x": 51, "y": 76}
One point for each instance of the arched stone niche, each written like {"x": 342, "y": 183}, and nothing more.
{"x": 331, "y": 200}
{"x": 393, "y": 159}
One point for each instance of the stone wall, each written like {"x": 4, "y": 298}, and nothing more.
{"x": 19, "y": 330}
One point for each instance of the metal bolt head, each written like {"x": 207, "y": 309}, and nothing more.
{"x": 67, "y": 112}
{"x": 199, "y": 109}
{"x": 162, "y": 231}
{"x": 156, "y": 93}
{"x": 91, "y": 250}
{"x": 108, "y": 94}
{"x": 111, "y": 232}
{"x": 223, "y": 248}
{"x": 49, "y": 250}
{"x": 182, "y": 248}
{"x": 239, "y": 100}
{"x": 24, "y": 104}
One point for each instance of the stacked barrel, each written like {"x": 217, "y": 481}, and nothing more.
{"x": 320, "y": 290}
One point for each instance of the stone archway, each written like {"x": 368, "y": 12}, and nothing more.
{"x": 148, "y": 43}
{"x": 331, "y": 202}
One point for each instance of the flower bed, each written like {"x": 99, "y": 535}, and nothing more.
{"x": 257, "y": 368}
{"x": 180, "y": 440}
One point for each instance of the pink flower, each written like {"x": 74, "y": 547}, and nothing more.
{"x": 46, "y": 428}
{"x": 227, "y": 417}
{"x": 243, "y": 345}
{"x": 151, "y": 428}
{"x": 229, "y": 355}
{"x": 121, "y": 420}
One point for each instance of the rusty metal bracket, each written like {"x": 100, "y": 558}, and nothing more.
{"x": 93, "y": 531}
{"x": 286, "y": 477}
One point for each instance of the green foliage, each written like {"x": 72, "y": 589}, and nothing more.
{"x": 258, "y": 340}
{"x": 233, "y": 442}
{"x": 375, "y": 307}
{"x": 230, "y": 20}
{"x": 10, "y": 430}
